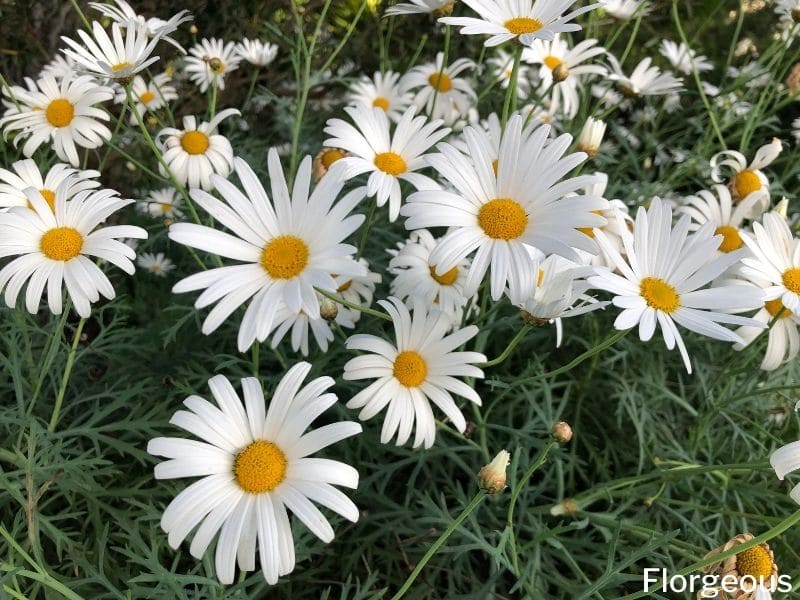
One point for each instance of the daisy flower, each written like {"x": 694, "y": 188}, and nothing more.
{"x": 645, "y": 80}
{"x": 681, "y": 57}
{"x": 623, "y": 9}
{"x": 256, "y": 52}
{"x": 197, "y": 152}
{"x": 124, "y": 14}
{"x": 747, "y": 575}
{"x": 785, "y": 460}
{"x": 615, "y": 212}
{"x": 439, "y": 90}
{"x": 591, "y": 136}
{"x": 358, "y": 289}
{"x": 324, "y": 160}
{"x": 502, "y": 64}
{"x": 663, "y": 277}
{"x": 255, "y": 463}
{"x": 526, "y": 20}
{"x": 788, "y": 10}
{"x": 501, "y": 214}
{"x": 157, "y": 264}
{"x": 286, "y": 247}
{"x": 164, "y": 203}
{"x": 63, "y": 113}
{"x": 387, "y": 158}
{"x": 435, "y": 7}
{"x": 746, "y": 178}
{"x": 59, "y": 67}
{"x": 53, "y": 247}
{"x": 776, "y": 259}
{"x": 26, "y": 174}
{"x": 420, "y": 368}
{"x": 148, "y": 96}
{"x": 382, "y": 91}
{"x": 210, "y": 61}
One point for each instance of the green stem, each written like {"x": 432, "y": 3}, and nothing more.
{"x": 81, "y": 15}
{"x": 509, "y": 349}
{"x": 473, "y": 504}
{"x": 251, "y": 89}
{"x": 50, "y": 353}
{"x": 256, "y": 361}
{"x": 65, "y": 378}
{"x": 122, "y": 112}
{"x": 212, "y": 104}
{"x": 511, "y": 91}
{"x": 367, "y": 226}
{"x": 445, "y": 57}
{"x": 11, "y": 95}
{"x": 358, "y": 307}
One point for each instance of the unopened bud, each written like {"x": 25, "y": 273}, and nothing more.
{"x": 152, "y": 121}
{"x": 796, "y": 15}
{"x": 492, "y": 477}
{"x": 328, "y": 309}
{"x": 130, "y": 166}
{"x": 560, "y": 73}
{"x": 591, "y": 136}
{"x": 444, "y": 10}
{"x": 782, "y": 207}
{"x": 561, "y": 432}
{"x": 193, "y": 29}
{"x": 567, "y": 507}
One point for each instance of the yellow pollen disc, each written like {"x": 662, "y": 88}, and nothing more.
{"x": 331, "y": 156}
{"x": 194, "y": 142}
{"x": 61, "y": 243}
{"x": 121, "y": 67}
{"x": 147, "y": 97}
{"x": 216, "y": 65}
{"x": 791, "y": 279}
{"x": 381, "y": 102}
{"x": 441, "y": 81}
{"x": 659, "y": 294}
{"x": 345, "y": 286}
{"x": 774, "y": 307}
{"x": 260, "y": 467}
{"x": 731, "y": 240}
{"x": 390, "y": 162}
{"x": 495, "y": 164}
{"x": 410, "y": 368}
{"x": 165, "y": 208}
{"x": 746, "y": 182}
{"x": 448, "y": 278}
{"x": 59, "y": 112}
{"x": 49, "y": 197}
{"x": 755, "y": 562}
{"x": 284, "y": 257}
{"x": 552, "y": 62}
{"x": 520, "y": 25}
{"x": 502, "y": 219}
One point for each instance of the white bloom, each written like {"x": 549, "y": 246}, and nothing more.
{"x": 124, "y": 14}
{"x": 615, "y": 212}
{"x": 645, "y": 80}
{"x": 591, "y": 136}
{"x": 502, "y": 64}
{"x": 420, "y": 7}
{"x": 164, "y": 203}
{"x": 148, "y": 96}
{"x": 788, "y": 11}
{"x": 197, "y": 152}
{"x": 210, "y": 61}
{"x": 256, "y": 52}
{"x": 624, "y": 9}
{"x": 53, "y": 248}
{"x": 355, "y": 289}
{"x": 420, "y": 368}
{"x": 681, "y": 57}
{"x": 26, "y": 175}
{"x": 157, "y": 264}
{"x": 784, "y": 461}
{"x": 453, "y": 95}
{"x": 746, "y": 178}
{"x": 60, "y": 67}
{"x": 255, "y": 463}
{"x": 382, "y": 91}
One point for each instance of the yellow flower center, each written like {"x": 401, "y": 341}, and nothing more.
{"x": 410, "y": 368}
{"x": 775, "y": 306}
{"x": 331, "y": 156}
{"x": 194, "y": 142}
{"x": 731, "y": 240}
{"x": 755, "y": 562}
{"x": 448, "y": 278}
{"x": 284, "y": 257}
{"x": 260, "y": 467}
{"x": 147, "y": 97}
{"x": 441, "y": 81}
{"x": 746, "y": 182}
{"x": 61, "y": 243}
{"x": 120, "y": 67}
{"x": 791, "y": 279}
{"x": 552, "y": 62}
{"x": 216, "y": 66}
{"x": 390, "y": 162}
{"x": 49, "y": 197}
{"x": 520, "y": 25}
{"x": 659, "y": 294}
{"x": 165, "y": 207}
{"x": 59, "y": 112}
{"x": 502, "y": 219}
{"x": 381, "y": 103}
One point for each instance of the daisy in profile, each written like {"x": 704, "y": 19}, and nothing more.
{"x": 746, "y": 178}
{"x": 324, "y": 160}
{"x": 624, "y": 9}
{"x": 148, "y": 96}
{"x": 617, "y": 220}
{"x": 421, "y": 367}
{"x": 525, "y": 20}
{"x": 257, "y": 53}
{"x": 591, "y": 136}
{"x": 285, "y": 247}
{"x": 26, "y": 174}
{"x": 439, "y": 90}
{"x": 124, "y": 14}
{"x": 61, "y": 113}
{"x": 358, "y": 289}
{"x": 164, "y": 203}
{"x": 59, "y": 67}
{"x": 211, "y": 61}
{"x": 297, "y": 327}
{"x": 681, "y": 57}
{"x": 503, "y": 214}
{"x": 382, "y": 91}
{"x": 197, "y": 152}
{"x": 645, "y": 80}
{"x": 157, "y": 264}
{"x": 786, "y": 460}
{"x": 664, "y": 277}
{"x": 388, "y": 158}
{"x": 437, "y": 8}
{"x": 52, "y": 248}
{"x": 256, "y": 465}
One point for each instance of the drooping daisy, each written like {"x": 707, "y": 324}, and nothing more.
{"x": 747, "y": 575}
{"x": 663, "y": 277}
{"x": 746, "y": 178}
{"x": 124, "y": 14}
{"x": 148, "y": 96}
{"x": 681, "y": 57}
{"x": 624, "y": 9}
{"x": 645, "y": 80}
{"x": 53, "y": 248}
{"x": 62, "y": 113}
{"x": 437, "y": 8}
{"x": 439, "y": 90}
{"x": 502, "y": 213}
{"x": 786, "y": 460}
{"x": 210, "y": 61}
{"x": 197, "y": 152}
{"x": 26, "y": 175}
{"x": 525, "y": 20}
{"x": 591, "y": 136}
{"x": 387, "y": 158}
{"x": 358, "y": 289}
{"x": 256, "y": 52}
{"x": 420, "y": 368}
{"x": 286, "y": 247}
{"x": 382, "y": 91}
{"x": 255, "y": 463}
{"x": 164, "y": 203}
{"x": 157, "y": 264}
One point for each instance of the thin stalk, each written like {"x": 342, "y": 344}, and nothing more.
{"x": 256, "y": 362}
{"x": 65, "y": 378}
{"x": 81, "y": 15}
{"x": 50, "y": 354}
{"x": 512, "y": 86}
{"x": 252, "y": 88}
{"x": 11, "y": 95}
{"x": 367, "y": 226}
{"x": 509, "y": 349}
{"x": 358, "y": 307}
{"x": 121, "y": 118}
{"x": 445, "y": 57}
{"x": 212, "y": 104}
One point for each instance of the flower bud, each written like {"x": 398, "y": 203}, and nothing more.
{"x": 560, "y": 73}
{"x": 567, "y": 507}
{"x": 782, "y": 207}
{"x": 561, "y": 432}
{"x": 328, "y": 309}
{"x": 492, "y": 477}
{"x": 591, "y": 136}
{"x": 193, "y": 29}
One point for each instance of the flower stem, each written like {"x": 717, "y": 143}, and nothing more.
{"x": 212, "y": 104}
{"x": 122, "y": 112}
{"x": 11, "y": 95}
{"x": 511, "y": 91}
{"x": 445, "y": 56}
{"x": 251, "y": 89}
{"x": 358, "y": 307}
{"x": 65, "y": 378}
{"x": 49, "y": 354}
{"x": 81, "y": 15}
{"x": 367, "y": 226}
{"x": 509, "y": 349}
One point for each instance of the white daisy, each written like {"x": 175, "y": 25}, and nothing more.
{"x": 324, "y": 160}
{"x": 54, "y": 248}
{"x": 420, "y": 368}
{"x": 256, "y": 52}
{"x": 26, "y": 175}
{"x": 382, "y": 91}
{"x": 501, "y": 214}
{"x": 661, "y": 280}
{"x": 746, "y": 178}
{"x": 60, "y": 67}
{"x": 286, "y": 247}
{"x": 210, "y": 61}
{"x": 63, "y": 113}
{"x": 359, "y": 289}
{"x": 124, "y": 14}
{"x": 623, "y": 9}
{"x": 502, "y": 65}
{"x": 299, "y": 324}
{"x": 645, "y": 80}
{"x": 617, "y": 219}
{"x": 157, "y": 264}
{"x": 435, "y": 7}
{"x": 591, "y": 136}
{"x": 387, "y": 158}
{"x": 148, "y": 96}
{"x": 196, "y": 152}
{"x": 439, "y": 90}
{"x": 681, "y": 57}
{"x": 164, "y": 203}
{"x": 255, "y": 463}
{"x": 788, "y": 11}
{"x": 525, "y": 20}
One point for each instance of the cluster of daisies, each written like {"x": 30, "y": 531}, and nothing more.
{"x": 495, "y": 208}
